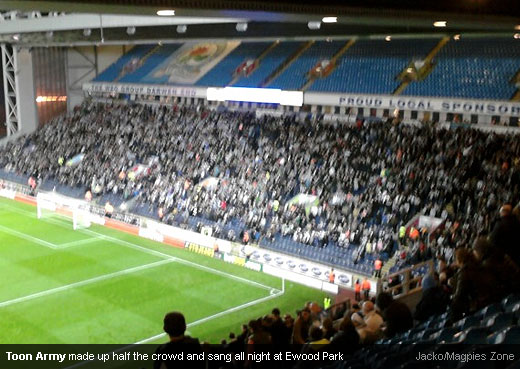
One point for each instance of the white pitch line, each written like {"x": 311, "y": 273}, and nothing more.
{"x": 152, "y": 252}
{"x": 181, "y": 261}
{"x": 192, "y": 324}
{"x": 157, "y": 253}
{"x": 27, "y": 237}
{"x": 77, "y": 243}
{"x": 83, "y": 283}
{"x": 217, "y": 315}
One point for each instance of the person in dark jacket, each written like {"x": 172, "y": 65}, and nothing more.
{"x": 301, "y": 327}
{"x": 277, "y": 330}
{"x": 434, "y": 299}
{"x": 506, "y": 233}
{"x": 175, "y": 326}
{"x": 257, "y": 342}
{"x": 347, "y": 339}
{"x": 328, "y": 328}
{"x": 473, "y": 286}
{"x": 504, "y": 270}
{"x": 316, "y": 345}
{"x": 397, "y": 316}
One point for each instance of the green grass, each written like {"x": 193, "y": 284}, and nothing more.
{"x": 102, "y": 286}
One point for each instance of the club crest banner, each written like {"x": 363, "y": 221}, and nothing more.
{"x": 191, "y": 62}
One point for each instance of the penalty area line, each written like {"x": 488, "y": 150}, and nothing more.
{"x": 79, "y": 242}
{"x": 97, "y": 235}
{"x": 27, "y": 237}
{"x": 84, "y": 282}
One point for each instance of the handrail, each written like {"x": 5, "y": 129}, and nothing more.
{"x": 282, "y": 67}
{"x": 406, "y": 281}
{"x": 333, "y": 61}
{"x": 257, "y": 60}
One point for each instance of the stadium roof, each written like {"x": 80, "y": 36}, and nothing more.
{"x": 63, "y": 22}
{"x": 488, "y": 7}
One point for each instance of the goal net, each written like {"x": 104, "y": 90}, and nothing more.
{"x": 51, "y": 204}
{"x": 46, "y": 205}
{"x": 81, "y": 219}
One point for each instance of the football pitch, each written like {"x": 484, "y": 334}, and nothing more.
{"x": 99, "y": 285}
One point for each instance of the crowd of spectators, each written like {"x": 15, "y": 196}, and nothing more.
{"x": 368, "y": 179}
{"x": 339, "y": 331}
{"x": 479, "y": 275}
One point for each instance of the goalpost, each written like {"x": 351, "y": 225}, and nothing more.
{"x": 45, "y": 205}
{"x": 80, "y": 219}
{"x": 51, "y": 204}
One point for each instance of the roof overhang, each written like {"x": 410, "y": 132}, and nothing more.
{"x": 64, "y": 22}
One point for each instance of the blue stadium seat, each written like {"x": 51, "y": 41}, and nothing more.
{"x": 479, "y": 68}
{"x": 113, "y": 71}
{"x": 510, "y": 335}
{"x": 222, "y": 74}
{"x": 467, "y": 322}
{"x": 154, "y": 60}
{"x": 269, "y": 63}
{"x": 295, "y": 75}
{"x": 445, "y": 335}
{"x": 426, "y": 333}
{"x": 473, "y": 336}
{"x": 489, "y": 310}
{"x": 441, "y": 323}
{"x": 513, "y": 308}
{"x": 371, "y": 66}
{"x": 510, "y": 300}
{"x": 500, "y": 321}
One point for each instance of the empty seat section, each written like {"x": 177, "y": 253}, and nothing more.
{"x": 269, "y": 63}
{"x": 295, "y": 76}
{"x": 113, "y": 71}
{"x": 472, "y": 68}
{"x": 371, "y": 66}
{"x": 222, "y": 74}
{"x": 141, "y": 75}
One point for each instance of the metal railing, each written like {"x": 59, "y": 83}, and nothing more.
{"x": 409, "y": 283}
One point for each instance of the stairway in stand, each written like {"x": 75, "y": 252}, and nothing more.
{"x": 141, "y": 62}
{"x": 389, "y": 264}
{"x": 257, "y": 60}
{"x": 333, "y": 61}
{"x": 423, "y": 72}
{"x": 286, "y": 64}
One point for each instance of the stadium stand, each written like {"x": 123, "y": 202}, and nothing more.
{"x": 480, "y": 68}
{"x": 222, "y": 74}
{"x": 370, "y": 179}
{"x": 153, "y": 59}
{"x": 295, "y": 76}
{"x": 268, "y": 64}
{"x": 456, "y": 346}
{"x": 371, "y": 66}
{"x": 350, "y": 194}
{"x": 472, "y": 68}
{"x": 117, "y": 69}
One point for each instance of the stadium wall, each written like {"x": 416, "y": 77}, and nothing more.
{"x": 443, "y": 110}
{"x": 49, "y": 81}
{"x": 84, "y": 63}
